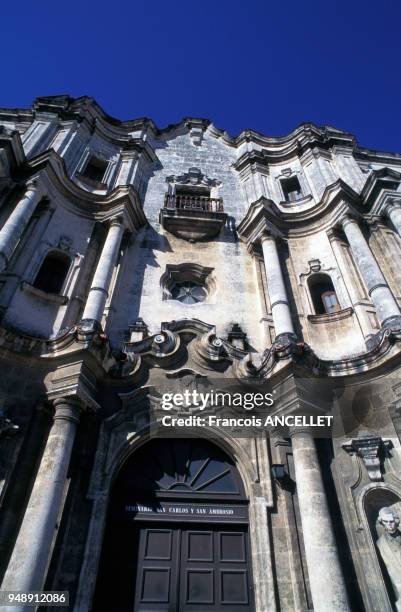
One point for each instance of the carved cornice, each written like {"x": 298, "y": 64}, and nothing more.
{"x": 259, "y": 220}
{"x": 337, "y": 200}
{"x": 10, "y": 142}
{"x": 74, "y": 382}
{"x": 169, "y": 348}
{"x": 385, "y": 179}
{"x": 304, "y": 138}
{"x": 332, "y": 317}
{"x": 86, "y": 109}
{"x": 321, "y": 216}
{"x": 49, "y": 169}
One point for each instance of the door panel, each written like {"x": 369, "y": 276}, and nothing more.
{"x": 156, "y": 583}
{"x": 214, "y": 570}
{"x": 234, "y": 587}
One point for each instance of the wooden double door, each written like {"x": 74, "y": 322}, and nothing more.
{"x": 173, "y": 567}
{"x": 192, "y": 568}
{"x": 176, "y": 536}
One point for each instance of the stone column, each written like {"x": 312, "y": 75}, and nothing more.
{"x": 13, "y": 228}
{"x": 324, "y": 569}
{"x": 78, "y": 298}
{"x": 393, "y": 212}
{"x": 277, "y": 292}
{"x": 30, "y": 559}
{"x": 99, "y": 291}
{"x": 386, "y": 306}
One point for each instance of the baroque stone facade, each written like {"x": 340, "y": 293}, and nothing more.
{"x": 135, "y": 259}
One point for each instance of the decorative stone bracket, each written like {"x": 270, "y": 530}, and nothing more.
{"x": 372, "y": 450}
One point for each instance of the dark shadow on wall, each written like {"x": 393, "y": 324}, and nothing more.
{"x": 290, "y": 284}
{"x": 140, "y": 256}
{"x": 325, "y": 452}
{"x": 143, "y": 254}
{"x": 68, "y": 553}
{"x": 20, "y": 450}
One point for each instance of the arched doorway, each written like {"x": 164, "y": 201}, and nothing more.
{"x": 177, "y": 532}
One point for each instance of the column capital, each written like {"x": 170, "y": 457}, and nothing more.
{"x": 17, "y": 221}
{"x": 392, "y": 204}
{"x": 267, "y": 235}
{"x": 33, "y": 186}
{"x": 305, "y": 431}
{"x": 375, "y": 224}
{"x": 347, "y": 219}
{"x": 67, "y": 409}
{"x": 334, "y": 233}
{"x": 116, "y": 221}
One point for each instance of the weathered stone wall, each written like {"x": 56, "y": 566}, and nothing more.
{"x": 64, "y": 227}
{"x": 237, "y": 294}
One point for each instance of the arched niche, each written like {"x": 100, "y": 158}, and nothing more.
{"x": 323, "y": 294}
{"x": 374, "y": 500}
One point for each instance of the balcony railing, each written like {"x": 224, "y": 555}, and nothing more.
{"x": 193, "y": 202}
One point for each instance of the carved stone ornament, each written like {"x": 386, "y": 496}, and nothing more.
{"x": 65, "y": 243}
{"x": 389, "y": 546}
{"x": 211, "y": 347}
{"x": 372, "y": 450}
{"x": 186, "y": 272}
{"x": 314, "y": 265}
{"x": 196, "y": 128}
{"x": 194, "y": 176}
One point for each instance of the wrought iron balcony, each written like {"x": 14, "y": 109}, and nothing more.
{"x": 193, "y": 202}
{"x": 193, "y": 217}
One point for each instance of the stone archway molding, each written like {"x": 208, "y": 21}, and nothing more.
{"x": 123, "y": 434}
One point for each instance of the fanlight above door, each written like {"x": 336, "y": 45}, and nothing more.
{"x": 184, "y": 467}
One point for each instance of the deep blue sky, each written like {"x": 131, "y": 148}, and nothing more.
{"x": 244, "y": 64}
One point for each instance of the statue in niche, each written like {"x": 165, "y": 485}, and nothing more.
{"x": 389, "y": 545}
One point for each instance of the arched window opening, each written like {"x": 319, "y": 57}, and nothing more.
{"x": 52, "y": 273}
{"x": 323, "y": 294}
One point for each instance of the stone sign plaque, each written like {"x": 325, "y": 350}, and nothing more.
{"x": 188, "y": 511}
